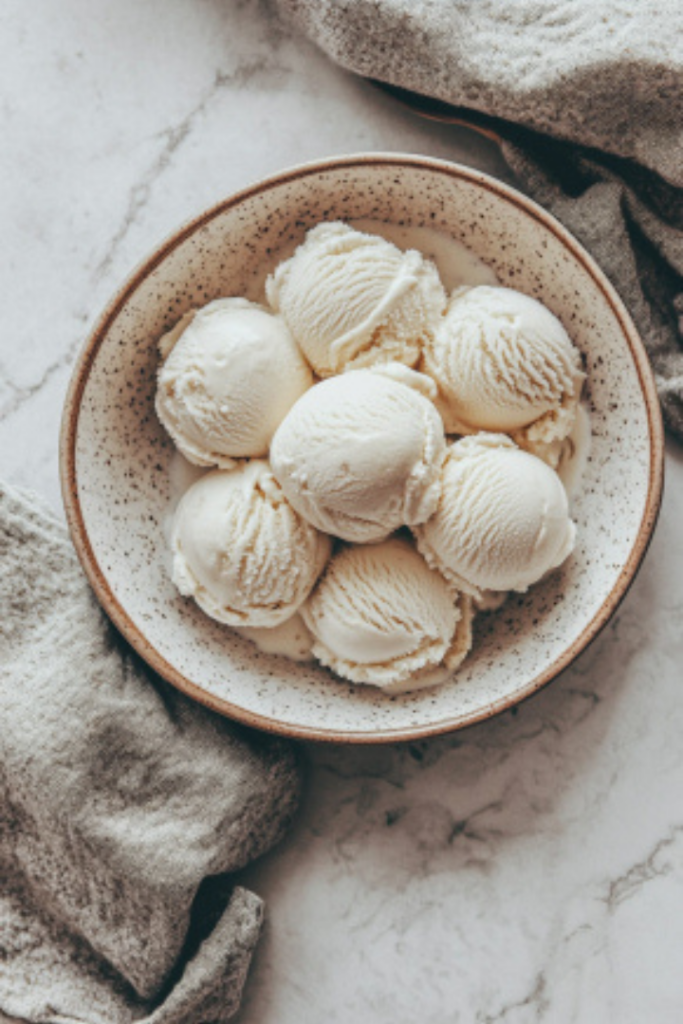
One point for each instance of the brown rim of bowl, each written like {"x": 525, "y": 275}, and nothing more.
{"x": 84, "y": 362}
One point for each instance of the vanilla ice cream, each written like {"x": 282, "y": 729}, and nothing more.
{"x": 502, "y": 521}
{"x": 230, "y": 374}
{"x": 352, "y": 299}
{"x": 241, "y": 551}
{"x": 504, "y": 362}
{"x": 360, "y": 455}
{"x": 291, "y": 639}
{"x": 380, "y": 615}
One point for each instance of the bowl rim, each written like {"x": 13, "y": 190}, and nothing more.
{"x": 132, "y": 633}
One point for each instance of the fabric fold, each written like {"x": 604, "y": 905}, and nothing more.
{"x": 120, "y": 801}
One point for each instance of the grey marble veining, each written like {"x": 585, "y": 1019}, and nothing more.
{"x": 527, "y": 869}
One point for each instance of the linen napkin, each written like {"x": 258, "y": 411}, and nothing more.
{"x": 124, "y": 808}
{"x": 588, "y": 99}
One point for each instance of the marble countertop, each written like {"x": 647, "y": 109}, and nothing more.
{"x": 526, "y": 869}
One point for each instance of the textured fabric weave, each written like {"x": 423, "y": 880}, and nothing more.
{"x": 124, "y": 809}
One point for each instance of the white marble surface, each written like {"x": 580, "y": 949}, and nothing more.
{"x": 528, "y": 869}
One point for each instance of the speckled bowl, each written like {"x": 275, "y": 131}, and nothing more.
{"x": 115, "y": 455}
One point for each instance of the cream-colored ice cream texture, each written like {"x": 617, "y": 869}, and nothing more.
{"x": 504, "y": 362}
{"x": 502, "y": 521}
{"x": 352, "y": 299}
{"x": 291, "y": 639}
{"x": 241, "y": 551}
{"x": 230, "y": 374}
{"x": 360, "y": 455}
{"x": 381, "y": 616}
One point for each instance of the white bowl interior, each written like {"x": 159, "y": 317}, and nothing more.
{"x": 121, "y": 453}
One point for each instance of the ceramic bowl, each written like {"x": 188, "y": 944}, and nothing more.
{"x": 116, "y": 457}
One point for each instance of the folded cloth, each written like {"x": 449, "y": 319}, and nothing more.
{"x": 588, "y": 100}
{"x": 124, "y": 807}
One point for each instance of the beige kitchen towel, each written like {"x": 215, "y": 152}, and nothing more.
{"x": 125, "y": 809}
{"x": 588, "y": 98}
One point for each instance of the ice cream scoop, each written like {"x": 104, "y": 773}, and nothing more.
{"x": 502, "y": 521}
{"x": 360, "y": 455}
{"x": 241, "y": 551}
{"x": 504, "y": 362}
{"x": 380, "y": 615}
{"x": 230, "y": 374}
{"x": 352, "y": 299}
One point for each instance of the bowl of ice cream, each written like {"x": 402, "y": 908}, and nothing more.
{"x": 151, "y": 528}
